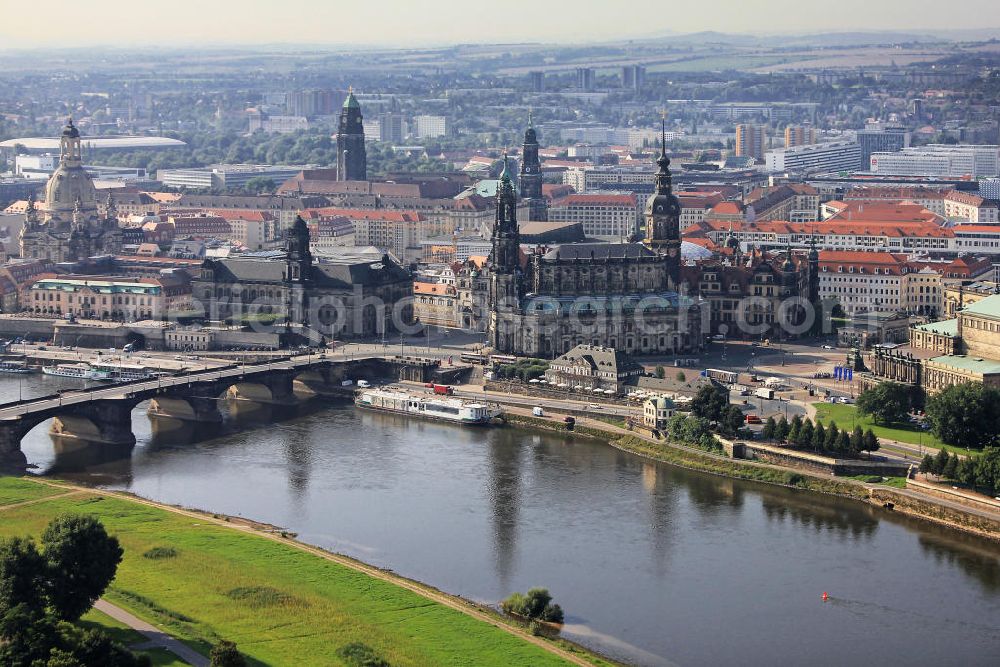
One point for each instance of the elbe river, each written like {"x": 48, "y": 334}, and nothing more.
{"x": 653, "y": 565}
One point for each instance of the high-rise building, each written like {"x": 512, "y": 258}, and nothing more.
{"x": 633, "y": 76}
{"x": 536, "y": 79}
{"x": 392, "y": 127}
{"x": 429, "y": 127}
{"x": 799, "y": 135}
{"x": 881, "y": 138}
{"x": 750, "y": 141}
{"x": 352, "y": 161}
{"x": 531, "y": 176}
{"x": 585, "y": 78}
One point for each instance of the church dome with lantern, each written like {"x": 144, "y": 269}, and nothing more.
{"x": 70, "y": 186}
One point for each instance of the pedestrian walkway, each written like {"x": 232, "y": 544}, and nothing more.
{"x": 157, "y": 638}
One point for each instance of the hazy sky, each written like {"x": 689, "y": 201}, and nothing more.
{"x": 407, "y": 22}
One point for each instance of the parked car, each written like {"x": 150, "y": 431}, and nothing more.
{"x": 828, "y": 347}
{"x": 364, "y": 384}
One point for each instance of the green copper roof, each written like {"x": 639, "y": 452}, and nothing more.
{"x": 967, "y": 363}
{"x": 944, "y": 327}
{"x": 990, "y": 307}
{"x": 351, "y": 102}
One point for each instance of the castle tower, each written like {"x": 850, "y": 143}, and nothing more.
{"x": 663, "y": 215}
{"x": 531, "y": 176}
{"x": 352, "y": 161}
{"x": 504, "y": 263}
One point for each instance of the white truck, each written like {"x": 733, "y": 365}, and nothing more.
{"x": 764, "y": 392}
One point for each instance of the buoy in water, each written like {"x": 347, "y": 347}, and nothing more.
{"x": 826, "y": 596}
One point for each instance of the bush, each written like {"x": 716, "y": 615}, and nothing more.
{"x": 224, "y": 654}
{"x": 357, "y": 654}
{"x": 536, "y": 604}
{"x": 159, "y": 553}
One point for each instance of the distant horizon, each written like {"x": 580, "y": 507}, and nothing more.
{"x": 222, "y": 24}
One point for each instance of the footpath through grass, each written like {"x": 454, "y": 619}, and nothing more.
{"x": 847, "y": 416}
{"x": 281, "y": 605}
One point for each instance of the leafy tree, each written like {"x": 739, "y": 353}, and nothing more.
{"x": 225, "y": 654}
{"x": 681, "y": 376}
{"x": 793, "y": 429}
{"x": 832, "y": 433}
{"x": 966, "y": 415}
{"x": 660, "y": 372}
{"x": 782, "y": 429}
{"x": 950, "y": 470}
{"x": 27, "y": 635}
{"x": 988, "y": 470}
{"x": 819, "y": 437}
{"x": 926, "y": 464}
{"x": 857, "y": 442}
{"x": 770, "y": 427}
{"x": 82, "y": 560}
{"x": 886, "y": 402}
{"x": 709, "y": 403}
{"x": 940, "y": 461}
{"x": 871, "y": 443}
{"x": 22, "y": 575}
{"x": 732, "y": 419}
{"x": 805, "y": 438}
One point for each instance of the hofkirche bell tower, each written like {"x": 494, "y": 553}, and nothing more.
{"x": 71, "y": 226}
{"x": 663, "y": 217}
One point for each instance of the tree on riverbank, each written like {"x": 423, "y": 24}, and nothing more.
{"x": 535, "y": 605}
{"x": 42, "y": 593}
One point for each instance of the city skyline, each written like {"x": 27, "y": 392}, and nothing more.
{"x": 393, "y": 22}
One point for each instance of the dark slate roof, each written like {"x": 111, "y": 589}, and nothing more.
{"x": 599, "y": 251}
{"x": 328, "y": 273}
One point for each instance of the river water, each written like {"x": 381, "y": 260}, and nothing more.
{"x": 653, "y": 565}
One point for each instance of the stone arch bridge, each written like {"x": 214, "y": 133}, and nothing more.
{"x": 103, "y": 414}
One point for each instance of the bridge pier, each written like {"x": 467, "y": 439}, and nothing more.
{"x": 12, "y": 459}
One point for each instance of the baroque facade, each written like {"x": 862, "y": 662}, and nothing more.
{"x": 625, "y": 296}
{"x": 71, "y": 227}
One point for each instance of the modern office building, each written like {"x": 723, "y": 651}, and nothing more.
{"x": 430, "y": 127}
{"x": 585, "y": 78}
{"x": 633, "y": 76}
{"x": 815, "y": 158}
{"x": 975, "y": 161}
{"x": 880, "y": 138}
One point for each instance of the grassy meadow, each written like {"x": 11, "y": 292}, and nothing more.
{"x": 203, "y": 582}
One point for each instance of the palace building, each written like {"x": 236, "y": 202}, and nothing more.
{"x": 71, "y": 226}
{"x": 627, "y": 296}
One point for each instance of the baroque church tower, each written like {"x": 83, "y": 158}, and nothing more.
{"x": 504, "y": 262}
{"x": 352, "y": 161}
{"x": 72, "y": 228}
{"x": 663, "y": 216}
{"x": 531, "y": 177}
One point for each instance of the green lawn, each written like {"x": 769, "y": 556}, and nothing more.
{"x": 14, "y": 490}
{"x": 282, "y": 606}
{"x": 846, "y": 417}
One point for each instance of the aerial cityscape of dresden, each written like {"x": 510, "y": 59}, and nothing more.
{"x": 419, "y": 334}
